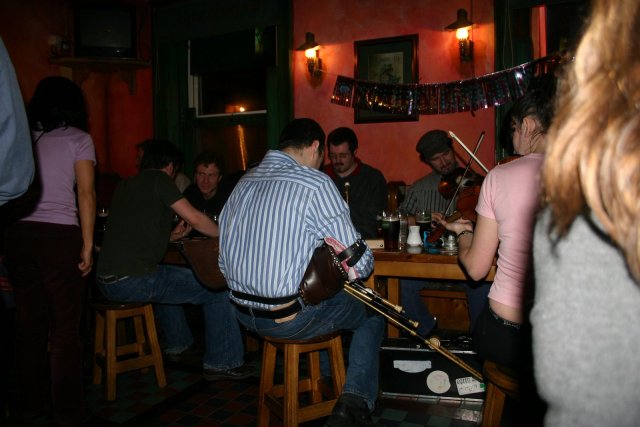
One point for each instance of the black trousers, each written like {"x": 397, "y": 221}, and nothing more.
{"x": 42, "y": 260}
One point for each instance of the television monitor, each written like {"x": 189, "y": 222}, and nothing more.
{"x": 106, "y": 31}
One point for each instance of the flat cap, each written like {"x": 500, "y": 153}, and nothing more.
{"x": 432, "y": 143}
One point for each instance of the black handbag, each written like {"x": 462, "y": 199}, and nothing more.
{"x": 325, "y": 276}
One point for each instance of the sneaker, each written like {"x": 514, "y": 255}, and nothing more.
{"x": 239, "y": 373}
{"x": 350, "y": 411}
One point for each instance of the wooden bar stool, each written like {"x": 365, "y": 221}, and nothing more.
{"x": 501, "y": 382}
{"x": 283, "y": 399}
{"x": 114, "y": 354}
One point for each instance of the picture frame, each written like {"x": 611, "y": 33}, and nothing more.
{"x": 391, "y": 60}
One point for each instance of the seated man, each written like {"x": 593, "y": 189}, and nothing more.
{"x": 136, "y": 238}
{"x": 435, "y": 149}
{"x": 363, "y": 187}
{"x": 206, "y": 194}
{"x": 278, "y": 213}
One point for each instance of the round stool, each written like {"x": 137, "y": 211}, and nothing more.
{"x": 283, "y": 399}
{"x": 501, "y": 382}
{"x": 111, "y": 346}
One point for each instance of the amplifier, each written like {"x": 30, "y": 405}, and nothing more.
{"x": 409, "y": 368}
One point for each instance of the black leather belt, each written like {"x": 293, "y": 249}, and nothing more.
{"x": 270, "y": 314}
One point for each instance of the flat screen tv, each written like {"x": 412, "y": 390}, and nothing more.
{"x": 105, "y": 31}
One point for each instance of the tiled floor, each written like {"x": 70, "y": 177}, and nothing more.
{"x": 188, "y": 400}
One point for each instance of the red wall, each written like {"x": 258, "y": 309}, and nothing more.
{"x": 391, "y": 146}
{"x": 118, "y": 120}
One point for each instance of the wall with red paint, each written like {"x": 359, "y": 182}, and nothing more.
{"x": 391, "y": 146}
{"x": 118, "y": 120}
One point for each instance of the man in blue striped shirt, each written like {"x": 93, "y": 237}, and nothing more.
{"x": 279, "y": 212}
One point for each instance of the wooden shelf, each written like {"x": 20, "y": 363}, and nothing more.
{"x": 82, "y": 67}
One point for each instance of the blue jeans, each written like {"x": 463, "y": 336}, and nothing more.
{"x": 177, "y": 285}
{"x": 415, "y": 309}
{"x": 342, "y": 312}
{"x": 174, "y": 327}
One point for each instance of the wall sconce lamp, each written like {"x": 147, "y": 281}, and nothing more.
{"x": 310, "y": 48}
{"x": 462, "y": 26}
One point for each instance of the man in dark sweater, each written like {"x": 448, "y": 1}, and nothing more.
{"x": 362, "y": 186}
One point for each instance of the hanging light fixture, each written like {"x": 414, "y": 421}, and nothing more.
{"x": 311, "y": 48}
{"x": 462, "y": 25}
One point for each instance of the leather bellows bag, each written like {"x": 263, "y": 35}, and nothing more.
{"x": 202, "y": 255}
{"x": 325, "y": 276}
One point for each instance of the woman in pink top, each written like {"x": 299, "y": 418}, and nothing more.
{"x": 49, "y": 251}
{"x": 506, "y": 210}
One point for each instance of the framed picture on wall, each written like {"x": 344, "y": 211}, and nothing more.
{"x": 392, "y": 61}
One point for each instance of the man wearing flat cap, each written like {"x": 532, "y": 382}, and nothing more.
{"x": 435, "y": 148}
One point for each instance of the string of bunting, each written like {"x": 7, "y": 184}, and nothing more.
{"x": 490, "y": 90}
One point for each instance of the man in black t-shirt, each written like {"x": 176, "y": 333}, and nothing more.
{"x": 129, "y": 268}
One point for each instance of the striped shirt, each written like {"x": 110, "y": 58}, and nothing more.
{"x": 423, "y": 195}
{"x": 276, "y": 216}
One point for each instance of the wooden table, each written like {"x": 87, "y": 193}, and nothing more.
{"x": 393, "y": 265}
{"x": 445, "y": 304}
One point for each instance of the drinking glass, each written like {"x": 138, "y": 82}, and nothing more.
{"x": 423, "y": 219}
{"x": 391, "y": 231}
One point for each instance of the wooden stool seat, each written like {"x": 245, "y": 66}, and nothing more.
{"x": 283, "y": 399}
{"x": 114, "y": 354}
{"x": 501, "y": 382}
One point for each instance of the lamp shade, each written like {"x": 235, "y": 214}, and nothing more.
{"x": 461, "y": 22}
{"x": 309, "y": 43}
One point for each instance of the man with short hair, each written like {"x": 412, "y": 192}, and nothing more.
{"x": 278, "y": 213}
{"x": 363, "y": 187}
{"x": 181, "y": 180}
{"x": 137, "y": 235}
{"x": 435, "y": 148}
{"x": 206, "y": 194}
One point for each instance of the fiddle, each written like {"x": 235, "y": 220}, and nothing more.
{"x": 459, "y": 178}
{"x": 465, "y": 207}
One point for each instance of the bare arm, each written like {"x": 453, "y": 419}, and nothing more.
{"x": 85, "y": 177}
{"x": 476, "y": 250}
{"x": 195, "y": 218}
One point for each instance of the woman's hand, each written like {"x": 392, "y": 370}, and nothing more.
{"x": 86, "y": 260}
{"x": 457, "y": 226}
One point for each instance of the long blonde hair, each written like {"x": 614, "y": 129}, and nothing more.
{"x": 593, "y": 154}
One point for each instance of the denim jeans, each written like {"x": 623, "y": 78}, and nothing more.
{"x": 342, "y": 312}
{"x": 414, "y": 307}
{"x": 174, "y": 327}
{"x": 177, "y": 285}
